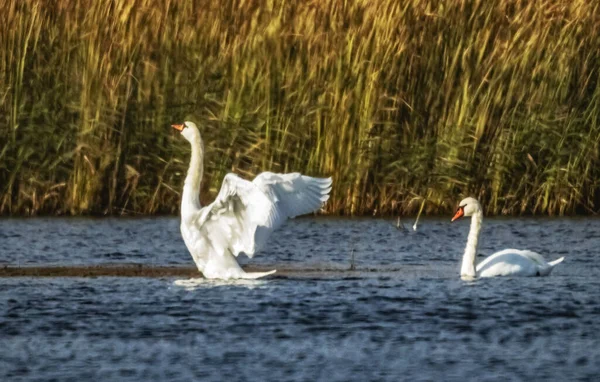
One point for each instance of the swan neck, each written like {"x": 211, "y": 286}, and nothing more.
{"x": 468, "y": 262}
{"x": 191, "y": 188}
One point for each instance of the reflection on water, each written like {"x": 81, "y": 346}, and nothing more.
{"x": 404, "y": 313}
{"x": 193, "y": 284}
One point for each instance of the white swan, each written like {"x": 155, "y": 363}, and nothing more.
{"x": 509, "y": 262}
{"x": 243, "y": 214}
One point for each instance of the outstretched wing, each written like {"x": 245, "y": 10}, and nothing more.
{"x": 292, "y": 194}
{"x": 245, "y": 213}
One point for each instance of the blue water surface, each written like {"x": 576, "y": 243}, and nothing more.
{"x": 403, "y": 314}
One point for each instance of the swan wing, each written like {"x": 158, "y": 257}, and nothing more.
{"x": 530, "y": 255}
{"x": 512, "y": 262}
{"x": 293, "y": 194}
{"x": 231, "y": 221}
{"x": 290, "y": 195}
{"x": 244, "y": 214}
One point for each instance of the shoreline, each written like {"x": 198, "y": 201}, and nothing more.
{"x": 151, "y": 271}
{"x": 108, "y": 270}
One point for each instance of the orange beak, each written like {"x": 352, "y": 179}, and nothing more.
{"x": 459, "y": 213}
{"x": 178, "y": 127}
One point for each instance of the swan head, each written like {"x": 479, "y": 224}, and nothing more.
{"x": 188, "y": 129}
{"x": 467, "y": 207}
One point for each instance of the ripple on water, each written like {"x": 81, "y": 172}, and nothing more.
{"x": 404, "y": 313}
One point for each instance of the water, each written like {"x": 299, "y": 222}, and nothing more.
{"x": 403, "y": 315}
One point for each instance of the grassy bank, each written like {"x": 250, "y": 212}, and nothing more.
{"x": 399, "y": 101}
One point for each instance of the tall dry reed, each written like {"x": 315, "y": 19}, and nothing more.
{"x": 402, "y": 102}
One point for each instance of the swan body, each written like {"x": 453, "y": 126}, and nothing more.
{"x": 243, "y": 215}
{"x": 508, "y": 262}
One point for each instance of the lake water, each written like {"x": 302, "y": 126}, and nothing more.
{"x": 404, "y": 314}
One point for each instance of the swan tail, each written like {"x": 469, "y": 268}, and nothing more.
{"x": 256, "y": 275}
{"x": 555, "y": 262}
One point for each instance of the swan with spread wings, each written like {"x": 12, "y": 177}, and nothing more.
{"x": 244, "y": 213}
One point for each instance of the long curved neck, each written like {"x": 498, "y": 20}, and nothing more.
{"x": 191, "y": 189}
{"x": 468, "y": 262}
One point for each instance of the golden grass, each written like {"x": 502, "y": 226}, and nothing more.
{"x": 400, "y": 101}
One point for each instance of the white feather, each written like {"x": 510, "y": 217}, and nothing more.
{"x": 243, "y": 215}
{"x": 508, "y": 262}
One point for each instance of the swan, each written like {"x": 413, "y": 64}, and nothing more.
{"x": 509, "y": 262}
{"x": 244, "y": 213}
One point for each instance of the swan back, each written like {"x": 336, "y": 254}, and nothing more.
{"x": 515, "y": 262}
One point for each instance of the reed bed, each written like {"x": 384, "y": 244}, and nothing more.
{"x": 406, "y": 104}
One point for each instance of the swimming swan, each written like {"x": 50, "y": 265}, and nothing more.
{"x": 509, "y": 262}
{"x": 243, "y": 214}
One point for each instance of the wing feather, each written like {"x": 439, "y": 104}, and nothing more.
{"x": 244, "y": 214}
